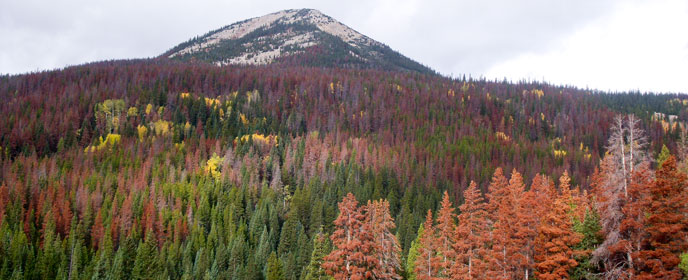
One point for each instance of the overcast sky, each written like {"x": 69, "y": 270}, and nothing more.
{"x": 604, "y": 44}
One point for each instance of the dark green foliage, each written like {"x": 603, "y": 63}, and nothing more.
{"x": 321, "y": 248}
{"x": 146, "y": 263}
{"x": 590, "y": 229}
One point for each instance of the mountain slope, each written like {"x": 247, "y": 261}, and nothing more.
{"x": 294, "y": 37}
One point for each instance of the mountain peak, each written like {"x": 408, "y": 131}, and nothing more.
{"x": 296, "y": 36}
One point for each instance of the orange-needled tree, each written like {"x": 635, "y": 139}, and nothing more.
{"x": 556, "y": 238}
{"x": 472, "y": 235}
{"x": 445, "y": 235}
{"x": 666, "y": 225}
{"x": 353, "y": 255}
{"x": 387, "y": 248}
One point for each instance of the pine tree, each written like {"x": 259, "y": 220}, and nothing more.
{"x": 471, "y": 237}
{"x": 543, "y": 191}
{"x": 632, "y": 227}
{"x": 505, "y": 256}
{"x": 414, "y": 251}
{"x": 321, "y": 248}
{"x": 387, "y": 248}
{"x": 590, "y": 231}
{"x": 445, "y": 235}
{"x": 555, "y": 241}
{"x": 97, "y": 231}
{"x": 428, "y": 262}
{"x": 663, "y": 156}
{"x": 526, "y": 230}
{"x": 625, "y": 153}
{"x": 275, "y": 271}
{"x": 146, "y": 264}
{"x": 666, "y": 225}
{"x": 354, "y": 247}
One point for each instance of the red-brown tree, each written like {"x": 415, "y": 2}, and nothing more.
{"x": 666, "y": 225}
{"x": 471, "y": 237}
{"x": 353, "y": 257}
{"x": 445, "y": 235}
{"x": 387, "y": 248}
{"x": 504, "y": 256}
{"x": 554, "y": 253}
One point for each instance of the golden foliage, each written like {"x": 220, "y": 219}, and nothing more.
{"x": 133, "y": 112}
{"x": 187, "y": 127}
{"x": 502, "y": 136}
{"x": 185, "y": 95}
{"x": 213, "y": 165}
{"x": 559, "y": 153}
{"x": 161, "y": 127}
{"x": 538, "y": 92}
{"x": 260, "y": 139}
{"x": 149, "y": 108}
{"x": 142, "y": 131}
{"x": 110, "y": 140}
{"x": 212, "y": 102}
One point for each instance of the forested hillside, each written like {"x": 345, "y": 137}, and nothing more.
{"x": 155, "y": 169}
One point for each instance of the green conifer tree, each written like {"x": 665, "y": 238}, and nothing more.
{"x": 321, "y": 248}
{"x": 275, "y": 270}
{"x": 146, "y": 264}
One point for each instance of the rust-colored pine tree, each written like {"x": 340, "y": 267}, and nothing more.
{"x": 632, "y": 227}
{"x": 496, "y": 191}
{"x": 428, "y": 262}
{"x": 353, "y": 255}
{"x": 471, "y": 237}
{"x": 445, "y": 235}
{"x": 666, "y": 225}
{"x": 387, "y": 247}
{"x": 97, "y": 231}
{"x": 4, "y": 200}
{"x": 504, "y": 256}
{"x": 526, "y": 231}
{"x": 554, "y": 253}
{"x": 63, "y": 212}
{"x": 524, "y": 227}
{"x": 544, "y": 192}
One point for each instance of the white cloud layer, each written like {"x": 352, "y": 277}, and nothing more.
{"x": 606, "y": 44}
{"x": 641, "y": 46}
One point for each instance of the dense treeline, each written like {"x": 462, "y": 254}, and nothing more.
{"x": 153, "y": 169}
